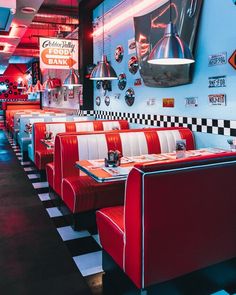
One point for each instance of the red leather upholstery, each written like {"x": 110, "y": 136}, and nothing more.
{"x": 41, "y": 153}
{"x": 111, "y": 222}
{"x": 69, "y": 148}
{"x": 44, "y": 156}
{"x": 178, "y": 217}
{"x": 82, "y": 193}
{"x": 50, "y": 171}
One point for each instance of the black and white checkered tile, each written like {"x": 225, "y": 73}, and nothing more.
{"x": 84, "y": 245}
{"x": 205, "y": 125}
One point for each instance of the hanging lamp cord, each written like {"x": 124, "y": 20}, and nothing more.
{"x": 103, "y": 30}
{"x": 170, "y": 11}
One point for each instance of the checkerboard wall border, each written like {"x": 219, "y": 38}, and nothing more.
{"x": 204, "y": 125}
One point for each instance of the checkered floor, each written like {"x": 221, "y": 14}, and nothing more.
{"x": 83, "y": 245}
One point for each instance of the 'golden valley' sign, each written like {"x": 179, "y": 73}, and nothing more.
{"x": 58, "y": 53}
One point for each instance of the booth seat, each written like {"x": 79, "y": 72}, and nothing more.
{"x": 177, "y": 218}
{"x": 24, "y": 139}
{"x": 10, "y": 118}
{"x": 42, "y": 155}
{"x": 82, "y": 193}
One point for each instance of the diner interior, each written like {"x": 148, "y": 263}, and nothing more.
{"x": 117, "y": 147}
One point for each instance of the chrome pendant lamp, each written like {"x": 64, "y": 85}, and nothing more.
{"x": 171, "y": 49}
{"x": 48, "y": 84}
{"x": 72, "y": 79}
{"x": 39, "y": 87}
{"x": 103, "y": 70}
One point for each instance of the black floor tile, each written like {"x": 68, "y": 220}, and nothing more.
{"x": 33, "y": 258}
{"x": 82, "y": 246}
{"x": 60, "y": 221}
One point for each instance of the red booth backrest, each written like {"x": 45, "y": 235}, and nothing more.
{"x": 58, "y": 127}
{"x": 81, "y": 146}
{"x": 179, "y": 217}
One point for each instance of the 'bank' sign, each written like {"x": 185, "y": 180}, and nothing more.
{"x": 217, "y": 99}
{"x": 58, "y": 53}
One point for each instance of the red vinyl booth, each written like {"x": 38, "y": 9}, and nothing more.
{"x": 44, "y": 155}
{"x": 177, "y": 218}
{"x": 82, "y": 193}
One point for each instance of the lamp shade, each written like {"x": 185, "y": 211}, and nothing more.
{"x": 48, "y": 84}
{"x": 30, "y": 89}
{"x": 171, "y": 49}
{"x": 38, "y": 87}
{"x": 103, "y": 71}
{"x": 72, "y": 79}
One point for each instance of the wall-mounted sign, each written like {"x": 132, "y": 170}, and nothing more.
{"x": 58, "y": 53}
{"x": 138, "y": 82}
{"x": 217, "y": 99}
{"x": 191, "y": 102}
{"x": 131, "y": 46}
{"x": 217, "y": 59}
{"x": 232, "y": 60}
{"x": 168, "y": 102}
{"x": 35, "y": 72}
{"x": 218, "y": 81}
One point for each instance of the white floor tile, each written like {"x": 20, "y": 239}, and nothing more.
{"x": 33, "y": 176}
{"x": 54, "y": 212}
{"x": 25, "y": 163}
{"x": 38, "y": 185}
{"x": 97, "y": 239}
{"x": 67, "y": 233}
{"x": 44, "y": 197}
{"x": 27, "y": 169}
{"x": 90, "y": 263}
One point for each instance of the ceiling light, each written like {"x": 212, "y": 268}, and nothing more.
{"x": 103, "y": 71}
{"x": 28, "y": 10}
{"x": 170, "y": 49}
{"x": 72, "y": 79}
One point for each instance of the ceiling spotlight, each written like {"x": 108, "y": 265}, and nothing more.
{"x": 28, "y": 10}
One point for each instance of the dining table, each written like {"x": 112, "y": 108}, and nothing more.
{"x": 99, "y": 172}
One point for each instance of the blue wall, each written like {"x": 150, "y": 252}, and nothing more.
{"x": 216, "y": 34}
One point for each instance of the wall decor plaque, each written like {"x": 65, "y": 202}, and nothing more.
{"x": 191, "y": 102}
{"x": 133, "y": 64}
{"x": 217, "y": 59}
{"x": 129, "y": 96}
{"x": 217, "y": 99}
{"x": 122, "y": 81}
{"x": 98, "y": 101}
{"x": 107, "y": 101}
{"x": 168, "y": 102}
{"x": 217, "y": 81}
{"x": 119, "y": 53}
{"x": 232, "y": 60}
{"x": 131, "y": 46}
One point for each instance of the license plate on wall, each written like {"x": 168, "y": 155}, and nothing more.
{"x": 218, "y": 81}
{"x": 217, "y": 99}
{"x": 217, "y": 59}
